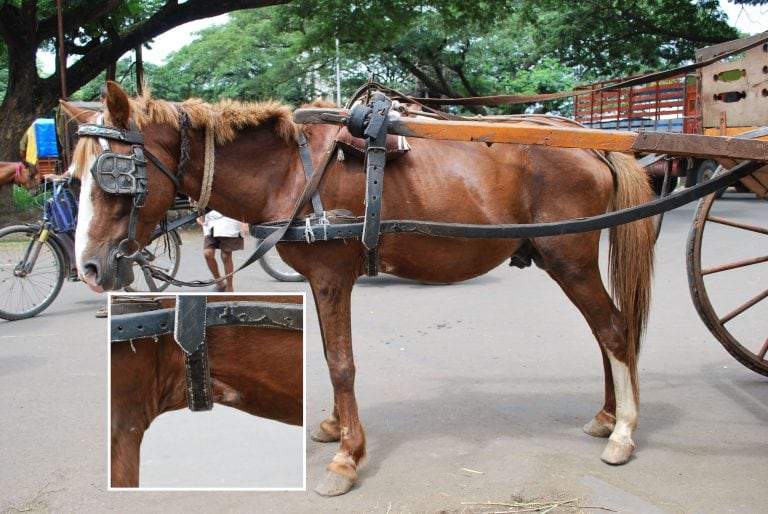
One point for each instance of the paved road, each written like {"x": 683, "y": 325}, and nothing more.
{"x": 470, "y": 393}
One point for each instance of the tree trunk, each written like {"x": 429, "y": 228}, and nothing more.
{"x": 6, "y": 199}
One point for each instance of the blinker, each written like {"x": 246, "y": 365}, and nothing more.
{"x": 121, "y": 174}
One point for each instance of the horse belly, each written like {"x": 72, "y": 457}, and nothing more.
{"x": 441, "y": 260}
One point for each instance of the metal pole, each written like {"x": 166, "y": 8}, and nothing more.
{"x": 62, "y": 57}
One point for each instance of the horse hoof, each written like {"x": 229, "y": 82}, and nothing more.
{"x": 321, "y": 436}
{"x": 597, "y": 429}
{"x": 333, "y": 484}
{"x": 616, "y": 454}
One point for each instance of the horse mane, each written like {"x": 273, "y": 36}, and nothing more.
{"x": 224, "y": 117}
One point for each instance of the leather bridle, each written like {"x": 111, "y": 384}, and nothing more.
{"x": 125, "y": 174}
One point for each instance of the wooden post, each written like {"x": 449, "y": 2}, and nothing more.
{"x": 62, "y": 55}
{"x": 139, "y": 72}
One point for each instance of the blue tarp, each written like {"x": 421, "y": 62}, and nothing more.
{"x": 45, "y": 137}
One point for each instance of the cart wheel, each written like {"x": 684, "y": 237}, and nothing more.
{"x": 162, "y": 253}
{"x": 716, "y": 267}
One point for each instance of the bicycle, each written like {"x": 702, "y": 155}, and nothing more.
{"x": 277, "y": 268}
{"x": 36, "y": 258}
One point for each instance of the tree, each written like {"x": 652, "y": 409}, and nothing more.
{"x": 247, "y": 58}
{"x": 611, "y": 39}
{"x": 456, "y": 48}
{"x": 96, "y": 34}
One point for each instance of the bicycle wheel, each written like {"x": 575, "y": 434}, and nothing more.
{"x": 162, "y": 253}
{"x": 31, "y": 273}
{"x": 277, "y": 268}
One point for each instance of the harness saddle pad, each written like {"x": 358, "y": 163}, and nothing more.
{"x": 395, "y": 148}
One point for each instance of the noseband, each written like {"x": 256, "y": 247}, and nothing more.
{"x": 125, "y": 174}
{"x": 17, "y": 176}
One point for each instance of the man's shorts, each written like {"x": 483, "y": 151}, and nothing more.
{"x": 225, "y": 244}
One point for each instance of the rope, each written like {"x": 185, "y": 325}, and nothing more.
{"x": 208, "y": 169}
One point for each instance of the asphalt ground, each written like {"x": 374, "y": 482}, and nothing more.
{"x": 469, "y": 393}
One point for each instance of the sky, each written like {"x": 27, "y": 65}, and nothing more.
{"x": 177, "y": 37}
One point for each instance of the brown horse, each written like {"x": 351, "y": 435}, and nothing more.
{"x": 20, "y": 173}
{"x": 257, "y": 370}
{"x": 258, "y": 177}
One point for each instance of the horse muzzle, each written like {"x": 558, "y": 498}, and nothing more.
{"x": 109, "y": 274}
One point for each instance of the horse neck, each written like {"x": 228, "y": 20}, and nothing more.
{"x": 257, "y": 176}
{"x": 7, "y": 172}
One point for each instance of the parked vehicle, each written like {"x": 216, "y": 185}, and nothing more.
{"x": 727, "y": 98}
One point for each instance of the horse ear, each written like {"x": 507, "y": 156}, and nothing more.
{"x": 118, "y": 105}
{"x": 78, "y": 114}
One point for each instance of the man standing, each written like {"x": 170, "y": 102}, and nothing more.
{"x": 224, "y": 234}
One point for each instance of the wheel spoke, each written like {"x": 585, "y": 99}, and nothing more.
{"x": 743, "y": 307}
{"x": 763, "y": 350}
{"x": 736, "y": 224}
{"x": 734, "y": 265}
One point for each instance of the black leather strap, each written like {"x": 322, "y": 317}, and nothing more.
{"x": 137, "y": 325}
{"x": 189, "y": 332}
{"x": 197, "y": 374}
{"x": 375, "y": 159}
{"x": 353, "y": 228}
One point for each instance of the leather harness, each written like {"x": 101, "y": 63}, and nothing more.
{"x": 368, "y": 122}
{"x": 142, "y": 317}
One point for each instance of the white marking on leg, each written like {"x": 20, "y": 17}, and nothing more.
{"x": 626, "y": 409}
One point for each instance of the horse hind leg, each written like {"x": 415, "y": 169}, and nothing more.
{"x": 604, "y": 422}
{"x": 618, "y": 417}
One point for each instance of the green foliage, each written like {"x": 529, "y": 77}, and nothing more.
{"x": 246, "y": 58}
{"x": 624, "y": 37}
{"x": 23, "y": 200}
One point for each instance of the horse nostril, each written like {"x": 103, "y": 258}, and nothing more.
{"x": 92, "y": 267}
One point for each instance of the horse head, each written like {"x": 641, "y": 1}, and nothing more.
{"x": 28, "y": 176}
{"x": 119, "y": 160}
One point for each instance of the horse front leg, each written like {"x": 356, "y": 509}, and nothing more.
{"x": 328, "y": 430}
{"x": 333, "y": 301}
{"x": 124, "y": 459}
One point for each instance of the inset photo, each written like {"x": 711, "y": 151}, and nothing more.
{"x": 206, "y": 391}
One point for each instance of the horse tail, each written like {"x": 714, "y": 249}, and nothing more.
{"x": 630, "y": 256}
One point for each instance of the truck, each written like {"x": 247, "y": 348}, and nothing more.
{"x": 727, "y": 97}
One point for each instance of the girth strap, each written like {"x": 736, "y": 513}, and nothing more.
{"x": 189, "y": 332}
{"x": 375, "y": 159}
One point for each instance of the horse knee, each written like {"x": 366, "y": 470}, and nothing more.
{"x": 342, "y": 374}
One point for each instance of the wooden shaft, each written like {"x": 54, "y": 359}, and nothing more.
{"x": 529, "y": 133}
